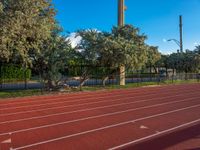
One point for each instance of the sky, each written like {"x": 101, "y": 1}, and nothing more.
{"x": 158, "y": 19}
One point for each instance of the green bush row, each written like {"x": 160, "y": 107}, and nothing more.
{"x": 12, "y": 72}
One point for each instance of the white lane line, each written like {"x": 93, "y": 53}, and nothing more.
{"x": 87, "y": 98}
{"x": 104, "y": 128}
{"x": 86, "y": 94}
{"x": 88, "y": 109}
{"x": 95, "y": 117}
{"x": 74, "y": 105}
{"x": 156, "y": 134}
{"x": 69, "y": 97}
{"x": 143, "y": 127}
{"x": 62, "y": 102}
{"x": 7, "y": 141}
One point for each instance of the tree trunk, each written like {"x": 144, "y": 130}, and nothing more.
{"x": 104, "y": 80}
{"x": 156, "y": 71}
{"x": 82, "y": 82}
{"x": 122, "y": 75}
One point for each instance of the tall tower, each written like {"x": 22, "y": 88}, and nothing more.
{"x": 181, "y": 33}
{"x": 121, "y": 9}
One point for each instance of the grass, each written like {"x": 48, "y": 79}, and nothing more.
{"x": 134, "y": 85}
{"x": 19, "y": 93}
{"x": 23, "y": 93}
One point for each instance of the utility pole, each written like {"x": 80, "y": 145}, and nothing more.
{"x": 181, "y": 33}
{"x": 121, "y": 10}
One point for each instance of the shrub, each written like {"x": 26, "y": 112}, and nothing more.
{"x": 12, "y": 72}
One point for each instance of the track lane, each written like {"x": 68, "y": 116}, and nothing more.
{"x": 44, "y": 98}
{"x": 119, "y": 133}
{"x": 163, "y": 126}
{"x": 80, "y": 115}
{"x": 56, "y": 105}
{"x": 94, "y": 106}
{"x": 5, "y": 108}
{"x": 192, "y": 88}
{"x": 34, "y": 136}
{"x": 83, "y": 95}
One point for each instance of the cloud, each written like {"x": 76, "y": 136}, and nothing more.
{"x": 164, "y": 40}
{"x": 74, "y": 40}
{"x": 196, "y": 43}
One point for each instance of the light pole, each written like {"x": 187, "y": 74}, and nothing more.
{"x": 121, "y": 20}
{"x": 181, "y": 33}
{"x": 180, "y": 42}
{"x": 177, "y": 42}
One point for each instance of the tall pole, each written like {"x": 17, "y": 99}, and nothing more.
{"x": 121, "y": 9}
{"x": 181, "y": 33}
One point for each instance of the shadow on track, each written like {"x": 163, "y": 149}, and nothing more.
{"x": 165, "y": 141}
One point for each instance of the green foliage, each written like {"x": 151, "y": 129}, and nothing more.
{"x": 25, "y": 24}
{"x": 53, "y": 58}
{"x": 188, "y": 62}
{"x": 153, "y": 55}
{"x": 11, "y": 72}
{"x": 122, "y": 46}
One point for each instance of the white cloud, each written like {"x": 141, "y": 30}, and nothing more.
{"x": 74, "y": 40}
{"x": 196, "y": 43}
{"x": 164, "y": 40}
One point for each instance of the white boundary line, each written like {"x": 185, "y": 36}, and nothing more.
{"x": 88, "y": 96}
{"x": 89, "y": 109}
{"x": 77, "y": 96}
{"x": 83, "y": 110}
{"x": 98, "y": 116}
{"x": 105, "y": 127}
{"x": 86, "y": 93}
{"x": 82, "y": 104}
{"x": 154, "y": 135}
{"x": 79, "y": 99}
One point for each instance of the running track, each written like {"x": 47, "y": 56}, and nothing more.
{"x": 140, "y": 118}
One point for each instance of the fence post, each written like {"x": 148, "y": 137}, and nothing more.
{"x": 96, "y": 76}
{"x": 24, "y": 72}
{"x": 80, "y": 78}
{"x": 1, "y": 77}
{"x": 138, "y": 78}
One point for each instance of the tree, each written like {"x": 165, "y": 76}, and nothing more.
{"x": 131, "y": 46}
{"x": 153, "y": 56}
{"x": 53, "y": 58}
{"x": 25, "y": 25}
{"x": 188, "y": 62}
{"x": 163, "y": 62}
{"x": 123, "y": 46}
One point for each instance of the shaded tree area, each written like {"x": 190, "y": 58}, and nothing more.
{"x": 187, "y": 62}
{"x": 122, "y": 46}
{"x": 51, "y": 61}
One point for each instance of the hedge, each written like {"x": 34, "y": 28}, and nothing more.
{"x": 11, "y": 72}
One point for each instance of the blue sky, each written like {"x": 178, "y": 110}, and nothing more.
{"x": 158, "y": 19}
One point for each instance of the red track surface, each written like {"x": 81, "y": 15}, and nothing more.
{"x": 143, "y": 118}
